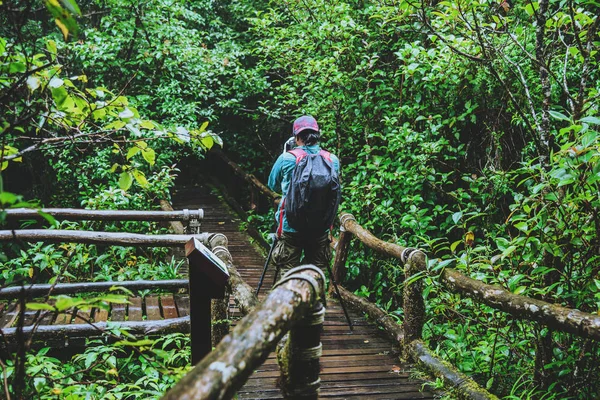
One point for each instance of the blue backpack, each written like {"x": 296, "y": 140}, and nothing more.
{"x": 314, "y": 193}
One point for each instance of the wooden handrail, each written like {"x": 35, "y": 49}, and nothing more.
{"x": 73, "y": 214}
{"x": 294, "y": 303}
{"x": 552, "y": 315}
{"x": 95, "y": 237}
{"x": 31, "y": 291}
{"x": 349, "y": 224}
{"x": 47, "y": 332}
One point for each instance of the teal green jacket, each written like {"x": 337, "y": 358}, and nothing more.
{"x": 281, "y": 175}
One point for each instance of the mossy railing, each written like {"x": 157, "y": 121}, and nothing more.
{"x": 408, "y": 334}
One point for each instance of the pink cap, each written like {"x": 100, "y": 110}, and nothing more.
{"x": 305, "y": 122}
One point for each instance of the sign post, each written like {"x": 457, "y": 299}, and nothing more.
{"x": 208, "y": 279}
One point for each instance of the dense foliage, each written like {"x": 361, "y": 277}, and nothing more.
{"x": 468, "y": 128}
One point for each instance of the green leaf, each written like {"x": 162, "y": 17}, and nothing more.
{"x": 126, "y": 114}
{"x": 140, "y": 178}
{"x": 39, "y": 306}
{"x": 520, "y": 289}
{"x": 137, "y": 343}
{"x": 133, "y": 151}
{"x": 125, "y": 180}
{"x": 51, "y": 47}
{"x": 15, "y": 67}
{"x": 203, "y": 127}
{"x": 63, "y": 18}
{"x": 65, "y": 302}
{"x": 71, "y": 6}
{"x": 559, "y": 116}
{"x": 591, "y": 120}
{"x": 51, "y": 220}
{"x": 454, "y": 245}
{"x": 149, "y": 155}
{"x": 207, "y": 142}
{"x": 509, "y": 250}
{"x": 7, "y": 198}
{"x": 457, "y": 216}
{"x": 522, "y": 226}
{"x": 147, "y": 124}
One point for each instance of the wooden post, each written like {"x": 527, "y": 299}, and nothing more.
{"x": 414, "y": 306}
{"x": 220, "y": 307}
{"x": 298, "y": 357}
{"x": 341, "y": 255}
{"x": 298, "y": 353}
{"x": 208, "y": 279}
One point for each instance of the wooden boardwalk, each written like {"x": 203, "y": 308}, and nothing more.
{"x": 360, "y": 364}
{"x": 363, "y": 364}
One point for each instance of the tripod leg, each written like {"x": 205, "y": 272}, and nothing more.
{"x": 337, "y": 291}
{"x": 276, "y": 274}
{"x": 262, "y": 277}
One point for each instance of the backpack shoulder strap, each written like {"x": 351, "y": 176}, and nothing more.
{"x": 299, "y": 154}
{"x": 326, "y": 155}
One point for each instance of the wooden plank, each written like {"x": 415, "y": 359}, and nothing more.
{"x": 152, "y": 308}
{"x": 82, "y": 316}
{"x": 326, "y": 371}
{"x": 100, "y": 315}
{"x": 183, "y": 305}
{"x": 11, "y": 314}
{"x": 29, "y": 317}
{"x": 256, "y": 384}
{"x": 168, "y": 306}
{"x": 63, "y": 318}
{"x": 118, "y": 312}
{"x": 344, "y": 359}
{"x": 134, "y": 312}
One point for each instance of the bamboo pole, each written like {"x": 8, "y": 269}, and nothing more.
{"x": 223, "y": 371}
{"x": 522, "y": 307}
{"x": 94, "y": 237}
{"x": 32, "y": 291}
{"x": 73, "y": 214}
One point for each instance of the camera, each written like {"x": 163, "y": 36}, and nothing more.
{"x": 289, "y": 145}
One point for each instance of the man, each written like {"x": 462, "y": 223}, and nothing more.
{"x": 292, "y": 243}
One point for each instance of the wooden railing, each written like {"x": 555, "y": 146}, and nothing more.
{"x": 409, "y": 334}
{"x": 295, "y": 305}
{"x": 201, "y": 274}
